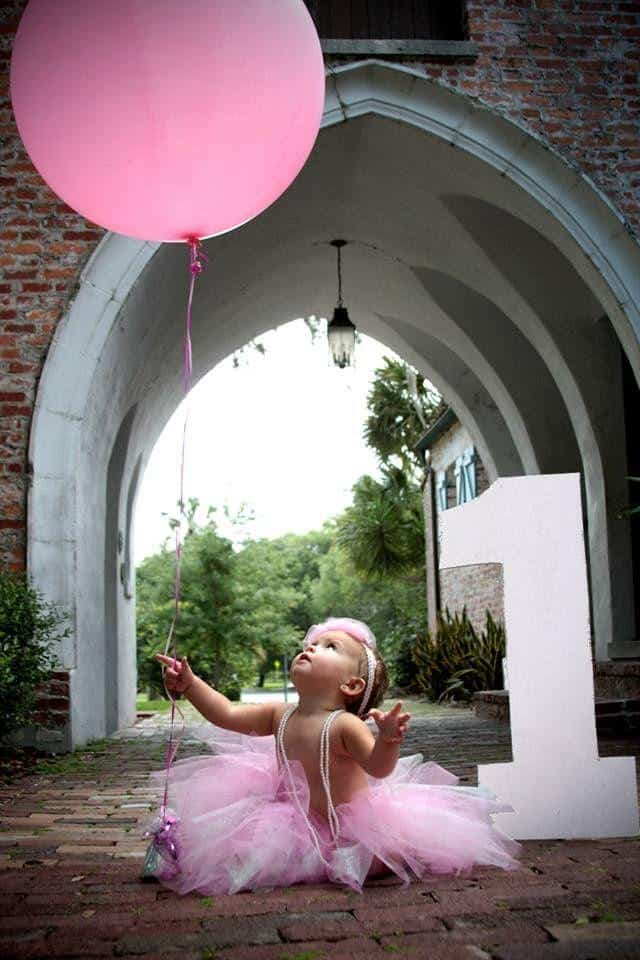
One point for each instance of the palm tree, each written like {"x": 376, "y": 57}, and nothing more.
{"x": 382, "y": 531}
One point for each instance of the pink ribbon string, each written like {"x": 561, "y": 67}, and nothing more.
{"x": 196, "y": 256}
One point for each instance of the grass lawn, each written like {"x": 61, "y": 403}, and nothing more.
{"x": 272, "y": 684}
{"x": 158, "y": 706}
{"x": 415, "y": 706}
{"x": 425, "y": 708}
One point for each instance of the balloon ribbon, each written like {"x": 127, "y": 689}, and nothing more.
{"x": 165, "y": 844}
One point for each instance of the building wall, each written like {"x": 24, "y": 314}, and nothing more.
{"x": 564, "y": 70}
{"x": 479, "y": 587}
{"x": 449, "y": 445}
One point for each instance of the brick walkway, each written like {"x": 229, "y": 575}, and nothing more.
{"x": 70, "y": 861}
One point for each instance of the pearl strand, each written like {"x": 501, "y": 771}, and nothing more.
{"x": 324, "y": 774}
{"x": 280, "y": 744}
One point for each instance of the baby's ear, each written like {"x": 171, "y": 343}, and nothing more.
{"x": 353, "y": 687}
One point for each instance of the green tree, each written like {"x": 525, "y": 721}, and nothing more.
{"x": 381, "y": 534}
{"x": 383, "y": 529}
{"x": 206, "y": 629}
{"x": 393, "y": 607}
{"x": 273, "y": 586}
{"x": 401, "y": 408}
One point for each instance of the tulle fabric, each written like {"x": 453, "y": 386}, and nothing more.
{"x": 240, "y": 829}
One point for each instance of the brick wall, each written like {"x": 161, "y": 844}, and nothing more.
{"x": 49, "y": 727}
{"x": 479, "y": 587}
{"x": 43, "y": 246}
{"x": 569, "y": 71}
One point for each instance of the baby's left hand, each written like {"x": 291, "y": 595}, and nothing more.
{"x": 393, "y": 724}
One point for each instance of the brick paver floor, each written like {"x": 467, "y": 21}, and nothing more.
{"x": 71, "y": 856}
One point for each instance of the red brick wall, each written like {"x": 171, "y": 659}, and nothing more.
{"x": 562, "y": 69}
{"x": 567, "y": 70}
{"x": 53, "y": 700}
{"x": 479, "y": 587}
{"x": 43, "y": 246}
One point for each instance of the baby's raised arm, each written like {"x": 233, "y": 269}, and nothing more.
{"x": 377, "y": 757}
{"x": 214, "y": 706}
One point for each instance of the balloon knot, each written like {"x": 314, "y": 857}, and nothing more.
{"x": 196, "y": 257}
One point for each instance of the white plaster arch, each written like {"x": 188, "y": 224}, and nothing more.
{"x": 576, "y": 203}
{"x": 564, "y": 205}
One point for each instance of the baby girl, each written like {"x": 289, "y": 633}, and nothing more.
{"x": 307, "y": 793}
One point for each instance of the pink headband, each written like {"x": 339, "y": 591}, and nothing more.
{"x": 355, "y": 628}
{"x": 359, "y": 631}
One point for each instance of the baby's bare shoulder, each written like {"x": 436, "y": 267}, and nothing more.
{"x": 349, "y": 727}
{"x": 347, "y": 720}
{"x": 278, "y": 711}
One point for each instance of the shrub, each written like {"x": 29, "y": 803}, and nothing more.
{"x": 398, "y": 649}
{"x": 458, "y": 662}
{"x": 29, "y": 624}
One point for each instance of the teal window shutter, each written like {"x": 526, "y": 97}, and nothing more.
{"x": 468, "y": 469}
{"x": 441, "y": 489}
{"x": 459, "y": 475}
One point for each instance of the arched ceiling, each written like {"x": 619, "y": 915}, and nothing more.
{"x": 422, "y": 269}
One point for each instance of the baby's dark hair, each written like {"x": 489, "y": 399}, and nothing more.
{"x": 380, "y": 683}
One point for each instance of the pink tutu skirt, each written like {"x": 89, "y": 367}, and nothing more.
{"x": 238, "y": 826}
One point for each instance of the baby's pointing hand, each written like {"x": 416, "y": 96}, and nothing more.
{"x": 393, "y": 724}
{"x": 178, "y": 675}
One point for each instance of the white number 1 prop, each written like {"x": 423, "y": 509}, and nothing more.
{"x": 557, "y": 783}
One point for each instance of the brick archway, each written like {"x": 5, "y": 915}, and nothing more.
{"x": 119, "y": 343}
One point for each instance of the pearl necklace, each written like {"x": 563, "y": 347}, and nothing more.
{"x": 324, "y": 774}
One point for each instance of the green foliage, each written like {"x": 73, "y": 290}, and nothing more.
{"x": 383, "y": 529}
{"x": 238, "y": 612}
{"x": 273, "y": 593}
{"x": 143, "y": 704}
{"x": 457, "y": 662}
{"x": 206, "y": 629}
{"x": 401, "y": 408}
{"x": 393, "y": 608}
{"x": 239, "y": 357}
{"x": 29, "y": 625}
{"x": 400, "y": 642}
{"x": 629, "y": 510}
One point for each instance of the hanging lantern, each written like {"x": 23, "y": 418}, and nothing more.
{"x": 341, "y": 333}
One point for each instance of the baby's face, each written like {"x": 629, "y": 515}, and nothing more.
{"x": 332, "y": 659}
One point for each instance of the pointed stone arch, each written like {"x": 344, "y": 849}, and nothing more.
{"x": 118, "y": 347}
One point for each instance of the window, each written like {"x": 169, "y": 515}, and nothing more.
{"x": 461, "y": 476}
{"x": 396, "y": 27}
{"x": 441, "y": 489}
{"x": 465, "y": 473}
{"x": 387, "y": 19}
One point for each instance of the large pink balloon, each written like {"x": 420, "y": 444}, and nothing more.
{"x": 167, "y": 119}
